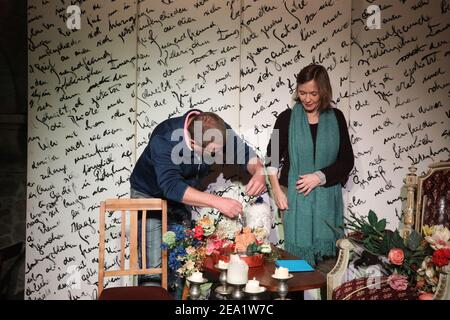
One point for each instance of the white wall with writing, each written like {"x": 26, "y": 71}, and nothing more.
{"x": 95, "y": 94}
{"x": 81, "y": 143}
{"x": 399, "y": 100}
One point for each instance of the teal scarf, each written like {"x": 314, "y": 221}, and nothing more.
{"x": 306, "y": 233}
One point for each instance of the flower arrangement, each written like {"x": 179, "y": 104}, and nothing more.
{"x": 438, "y": 237}
{"x": 248, "y": 241}
{"x": 411, "y": 260}
{"x": 188, "y": 247}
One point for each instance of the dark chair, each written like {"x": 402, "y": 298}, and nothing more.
{"x": 128, "y": 262}
{"x": 10, "y": 258}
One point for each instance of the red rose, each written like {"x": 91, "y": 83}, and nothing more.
{"x": 396, "y": 256}
{"x": 441, "y": 257}
{"x": 198, "y": 232}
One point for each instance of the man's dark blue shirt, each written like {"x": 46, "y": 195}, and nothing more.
{"x": 156, "y": 174}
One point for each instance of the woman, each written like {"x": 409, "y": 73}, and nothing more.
{"x": 316, "y": 156}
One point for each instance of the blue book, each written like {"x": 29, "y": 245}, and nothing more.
{"x": 294, "y": 265}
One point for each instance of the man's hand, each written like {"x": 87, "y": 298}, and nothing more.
{"x": 306, "y": 183}
{"x": 256, "y": 185}
{"x": 229, "y": 207}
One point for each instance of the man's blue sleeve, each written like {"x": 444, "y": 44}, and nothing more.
{"x": 168, "y": 175}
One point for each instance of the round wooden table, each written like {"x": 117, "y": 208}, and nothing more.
{"x": 300, "y": 282}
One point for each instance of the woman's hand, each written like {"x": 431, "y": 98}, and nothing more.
{"x": 306, "y": 183}
{"x": 257, "y": 184}
{"x": 280, "y": 199}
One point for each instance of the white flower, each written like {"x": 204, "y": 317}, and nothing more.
{"x": 189, "y": 265}
{"x": 258, "y": 215}
{"x": 260, "y": 234}
{"x": 266, "y": 248}
{"x": 429, "y": 272}
{"x": 440, "y": 237}
{"x": 228, "y": 228}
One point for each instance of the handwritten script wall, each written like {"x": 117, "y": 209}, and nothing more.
{"x": 95, "y": 95}
{"x": 81, "y": 141}
{"x": 399, "y": 100}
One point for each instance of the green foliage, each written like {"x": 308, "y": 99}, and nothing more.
{"x": 252, "y": 249}
{"x": 414, "y": 240}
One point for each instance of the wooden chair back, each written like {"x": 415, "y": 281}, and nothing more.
{"x": 131, "y": 208}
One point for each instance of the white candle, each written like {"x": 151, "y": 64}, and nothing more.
{"x": 252, "y": 286}
{"x": 281, "y": 272}
{"x": 222, "y": 264}
{"x": 197, "y": 276}
{"x": 237, "y": 272}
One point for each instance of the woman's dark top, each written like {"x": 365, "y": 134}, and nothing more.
{"x": 335, "y": 173}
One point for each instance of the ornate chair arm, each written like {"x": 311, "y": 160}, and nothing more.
{"x": 335, "y": 276}
{"x": 443, "y": 287}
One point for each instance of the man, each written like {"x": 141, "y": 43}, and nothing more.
{"x": 178, "y": 155}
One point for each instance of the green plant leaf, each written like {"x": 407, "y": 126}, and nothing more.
{"x": 252, "y": 249}
{"x": 414, "y": 240}
{"x": 381, "y": 225}
{"x": 397, "y": 240}
{"x": 372, "y": 218}
{"x": 385, "y": 244}
{"x": 366, "y": 230}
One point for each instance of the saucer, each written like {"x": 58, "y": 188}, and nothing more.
{"x": 261, "y": 290}
{"x": 288, "y": 277}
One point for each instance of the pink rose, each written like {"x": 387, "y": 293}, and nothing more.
{"x": 213, "y": 245}
{"x": 210, "y": 248}
{"x": 398, "y": 282}
{"x": 426, "y": 296}
{"x": 396, "y": 256}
